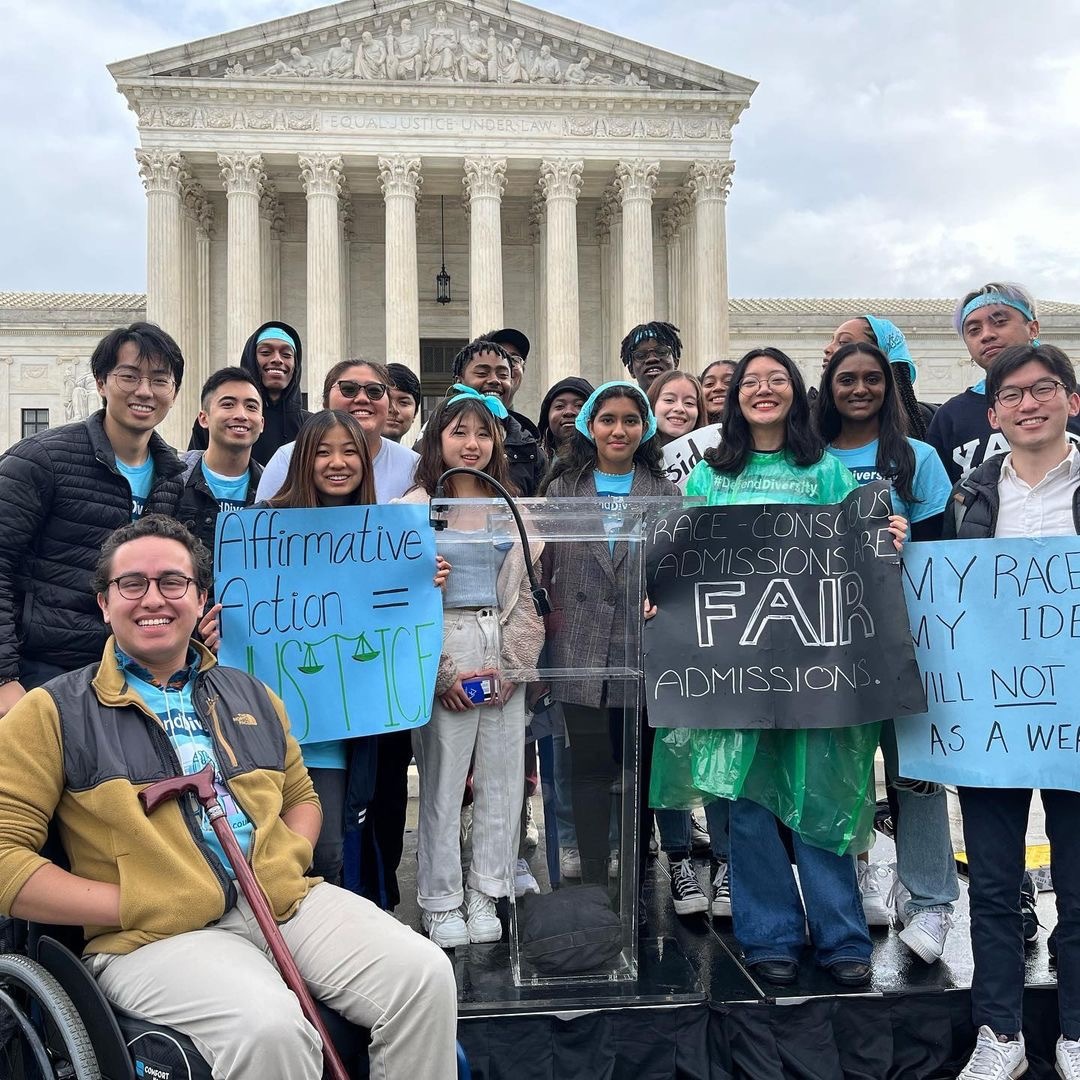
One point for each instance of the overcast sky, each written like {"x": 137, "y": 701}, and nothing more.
{"x": 904, "y": 148}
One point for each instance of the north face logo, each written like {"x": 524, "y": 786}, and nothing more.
{"x": 245, "y": 718}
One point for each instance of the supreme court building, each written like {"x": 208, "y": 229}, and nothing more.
{"x": 321, "y": 168}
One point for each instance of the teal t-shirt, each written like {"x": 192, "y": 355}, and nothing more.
{"x": 930, "y": 485}
{"x": 194, "y": 747}
{"x": 140, "y": 479}
{"x": 612, "y": 488}
{"x": 230, "y": 491}
{"x": 772, "y": 478}
{"x": 325, "y": 755}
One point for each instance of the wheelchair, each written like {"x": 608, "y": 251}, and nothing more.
{"x": 62, "y": 1027}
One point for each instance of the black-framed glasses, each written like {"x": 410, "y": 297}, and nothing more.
{"x": 349, "y": 388}
{"x": 517, "y": 362}
{"x": 131, "y": 380}
{"x": 748, "y": 384}
{"x": 172, "y": 585}
{"x": 659, "y": 352}
{"x": 1043, "y": 390}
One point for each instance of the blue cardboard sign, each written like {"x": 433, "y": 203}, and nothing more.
{"x": 335, "y": 609}
{"x": 996, "y": 625}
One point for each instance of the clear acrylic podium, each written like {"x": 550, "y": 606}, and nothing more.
{"x": 590, "y": 706}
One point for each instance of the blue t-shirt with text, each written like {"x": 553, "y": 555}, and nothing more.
{"x": 231, "y": 492}
{"x": 612, "y": 488}
{"x": 140, "y": 479}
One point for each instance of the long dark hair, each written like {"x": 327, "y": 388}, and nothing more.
{"x": 580, "y": 457}
{"x": 802, "y": 444}
{"x": 298, "y": 490}
{"x": 895, "y": 457}
{"x": 431, "y": 465}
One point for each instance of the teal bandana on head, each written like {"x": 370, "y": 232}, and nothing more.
{"x": 275, "y": 333}
{"x": 467, "y": 393}
{"x": 891, "y": 342}
{"x": 583, "y": 417}
{"x": 986, "y": 299}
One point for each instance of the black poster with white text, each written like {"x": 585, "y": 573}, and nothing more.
{"x": 778, "y": 616}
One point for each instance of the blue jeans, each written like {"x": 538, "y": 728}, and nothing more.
{"x": 767, "y": 915}
{"x": 674, "y": 828}
{"x": 924, "y": 854}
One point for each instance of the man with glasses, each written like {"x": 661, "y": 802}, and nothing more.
{"x": 169, "y": 938}
{"x": 360, "y": 387}
{"x": 273, "y": 357}
{"x": 649, "y": 350}
{"x": 1031, "y": 491}
{"x": 988, "y": 320}
{"x": 65, "y": 490}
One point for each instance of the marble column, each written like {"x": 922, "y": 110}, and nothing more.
{"x": 400, "y": 180}
{"x": 560, "y": 181}
{"x": 268, "y": 211}
{"x": 321, "y": 175}
{"x": 669, "y": 226}
{"x": 345, "y": 238}
{"x": 9, "y": 431}
{"x": 635, "y": 182}
{"x": 243, "y": 177}
{"x": 710, "y": 182}
{"x": 538, "y": 236}
{"x": 203, "y": 234}
{"x": 484, "y": 182}
{"x": 603, "y": 239}
{"x": 163, "y": 174}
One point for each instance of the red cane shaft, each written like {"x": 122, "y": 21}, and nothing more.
{"x": 260, "y": 906}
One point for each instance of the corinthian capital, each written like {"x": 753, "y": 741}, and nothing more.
{"x": 242, "y": 173}
{"x": 561, "y": 179}
{"x": 161, "y": 170}
{"x": 321, "y": 174}
{"x": 636, "y": 179}
{"x": 400, "y": 176}
{"x": 710, "y": 181}
{"x": 485, "y": 177}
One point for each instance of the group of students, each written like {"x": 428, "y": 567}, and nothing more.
{"x": 253, "y": 444}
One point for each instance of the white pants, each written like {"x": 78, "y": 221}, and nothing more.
{"x": 219, "y": 986}
{"x": 493, "y": 738}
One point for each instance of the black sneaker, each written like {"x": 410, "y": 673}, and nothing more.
{"x": 721, "y": 899}
{"x": 700, "y": 842}
{"x": 686, "y": 893}
{"x": 1029, "y": 893}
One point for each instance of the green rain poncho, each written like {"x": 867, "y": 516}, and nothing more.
{"x": 818, "y": 781}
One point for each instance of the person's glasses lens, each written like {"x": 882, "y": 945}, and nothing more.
{"x": 173, "y": 586}
{"x": 372, "y": 390}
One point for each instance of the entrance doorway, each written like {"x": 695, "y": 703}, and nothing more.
{"x": 436, "y": 370}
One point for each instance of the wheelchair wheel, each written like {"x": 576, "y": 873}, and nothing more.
{"x": 46, "y": 1039}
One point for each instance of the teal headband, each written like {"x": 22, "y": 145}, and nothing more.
{"x": 467, "y": 393}
{"x": 891, "y": 342}
{"x": 986, "y": 299}
{"x": 275, "y": 333}
{"x": 583, "y": 417}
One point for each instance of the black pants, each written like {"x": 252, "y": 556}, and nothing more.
{"x": 995, "y": 824}
{"x": 330, "y": 786}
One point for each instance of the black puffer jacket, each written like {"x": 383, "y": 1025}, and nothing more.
{"x": 282, "y": 418}
{"x": 199, "y": 508}
{"x": 973, "y": 511}
{"x": 62, "y": 496}
{"x": 527, "y": 461}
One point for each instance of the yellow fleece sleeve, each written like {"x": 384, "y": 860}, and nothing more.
{"x": 298, "y": 786}
{"x": 31, "y": 784}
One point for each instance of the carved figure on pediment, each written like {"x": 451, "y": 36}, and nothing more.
{"x": 297, "y": 64}
{"x": 235, "y": 69}
{"x": 370, "y": 58}
{"x": 474, "y": 55}
{"x": 633, "y": 79}
{"x": 339, "y": 60}
{"x": 440, "y": 48}
{"x": 581, "y": 73}
{"x": 546, "y": 68}
{"x": 512, "y": 67}
{"x": 404, "y": 56}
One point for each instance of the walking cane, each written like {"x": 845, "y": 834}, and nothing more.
{"x": 202, "y": 785}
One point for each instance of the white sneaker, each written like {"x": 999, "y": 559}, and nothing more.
{"x": 532, "y": 833}
{"x": 1067, "y": 1058}
{"x": 570, "y": 863}
{"x": 687, "y": 896}
{"x": 524, "y": 882}
{"x": 446, "y": 929}
{"x": 875, "y": 884}
{"x": 613, "y": 864}
{"x": 481, "y": 918}
{"x": 721, "y": 897}
{"x": 995, "y": 1060}
{"x": 924, "y": 934}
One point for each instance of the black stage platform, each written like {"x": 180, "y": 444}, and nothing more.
{"x": 704, "y": 1017}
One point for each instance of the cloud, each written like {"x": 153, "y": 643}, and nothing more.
{"x": 900, "y": 149}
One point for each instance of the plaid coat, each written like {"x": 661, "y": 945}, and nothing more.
{"x": 596, "y": 613}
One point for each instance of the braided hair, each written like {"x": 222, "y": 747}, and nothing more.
{"x": 916, "y": 422}
{"x": 663, "y": 332}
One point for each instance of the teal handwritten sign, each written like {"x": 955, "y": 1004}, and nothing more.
{"x": 335, "y": 609}
{"x": 996, "y": 628}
